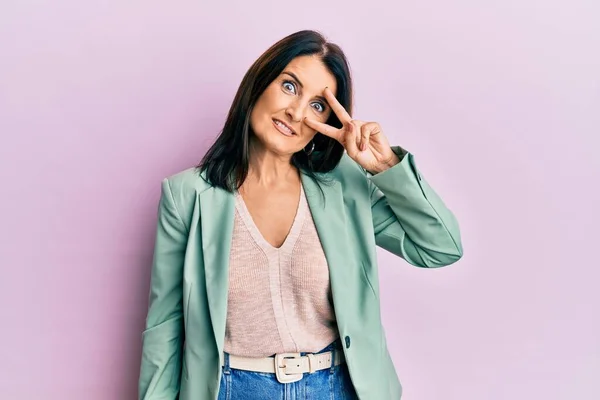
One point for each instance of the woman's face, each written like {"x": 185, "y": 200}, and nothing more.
{"x": 296, "y": 93}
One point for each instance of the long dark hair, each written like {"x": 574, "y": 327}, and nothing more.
{"x": 226, "y": 162}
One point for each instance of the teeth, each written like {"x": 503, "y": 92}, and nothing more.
{"x": 283, "y": 126}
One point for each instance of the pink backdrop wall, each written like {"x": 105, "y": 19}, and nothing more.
{"x": 499, "y": 101}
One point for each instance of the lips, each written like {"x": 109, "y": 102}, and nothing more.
{"x": 275, "y": 121}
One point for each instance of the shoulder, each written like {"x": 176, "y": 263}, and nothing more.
{"x": 348, "y": 170}
{"x": 184, "y": 187}
{"x": 351, "y": 176}
{"x": 187, "y": 180}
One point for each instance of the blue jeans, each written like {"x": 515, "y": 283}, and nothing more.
{"x": 327, "y": 384}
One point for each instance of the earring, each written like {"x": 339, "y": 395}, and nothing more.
{"x": 312, "y": 148}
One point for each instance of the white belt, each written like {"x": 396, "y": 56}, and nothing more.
{"x": 288, "y": 367}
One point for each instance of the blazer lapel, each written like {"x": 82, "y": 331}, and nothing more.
{"x": 329, "y": 216}
{"x": 217, "y": 208}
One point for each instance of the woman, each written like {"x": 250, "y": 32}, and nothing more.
{"x": 264, "y": 278}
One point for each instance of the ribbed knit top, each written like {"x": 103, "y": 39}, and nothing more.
{"x": 279, "y": 299}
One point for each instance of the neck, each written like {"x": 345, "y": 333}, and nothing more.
{"x": 270, "y": 170}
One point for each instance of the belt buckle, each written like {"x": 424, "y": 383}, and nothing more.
{"x": 282, "y": 377}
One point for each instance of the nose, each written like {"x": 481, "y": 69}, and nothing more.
{"x": 294, "y": 111}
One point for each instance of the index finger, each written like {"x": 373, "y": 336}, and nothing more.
{"x": 337, "y": 108}
{"x": 325, "y": 129}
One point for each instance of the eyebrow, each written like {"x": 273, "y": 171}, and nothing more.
{"x": 323, "y": 99}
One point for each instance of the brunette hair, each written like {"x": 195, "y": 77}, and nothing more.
{"x": 226, "y": 162}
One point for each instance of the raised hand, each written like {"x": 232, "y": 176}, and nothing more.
{"x": 364, "y": 142}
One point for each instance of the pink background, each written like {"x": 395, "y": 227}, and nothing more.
{"x": 499, "y": 101}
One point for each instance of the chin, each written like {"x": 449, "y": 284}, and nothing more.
{"x": 279, "y": 147}
{"x": 276, "y": 142}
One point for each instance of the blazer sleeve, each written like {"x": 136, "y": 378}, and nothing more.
{"x": 163, "y": 336}
{"x": 410, "y": 219}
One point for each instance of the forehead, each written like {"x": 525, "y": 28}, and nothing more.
{"x": 312, "y": 73}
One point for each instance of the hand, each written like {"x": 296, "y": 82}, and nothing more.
{"x": 364, "y": 141}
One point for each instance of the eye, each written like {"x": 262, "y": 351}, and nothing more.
{"x": 288, "y": 84}
{"x": 322, "y": 109}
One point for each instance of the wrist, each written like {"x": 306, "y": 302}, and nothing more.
{"x": 386, "y": 164}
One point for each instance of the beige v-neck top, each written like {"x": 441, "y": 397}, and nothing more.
{"x": 279, "y": 299}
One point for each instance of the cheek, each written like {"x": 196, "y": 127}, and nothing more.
{"x": 260, "y": 111}
{"x": 272, "y": 96}
{"x": 256, "y": 120}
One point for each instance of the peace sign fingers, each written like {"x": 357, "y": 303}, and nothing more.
{"x": 325, "y": 129}
{"x": 340, "y": 112}
{"x": 337, "y": 108}
{"x": 364, "y": 142}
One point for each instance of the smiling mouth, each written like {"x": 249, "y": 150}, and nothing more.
{"x": 283, "y": 128}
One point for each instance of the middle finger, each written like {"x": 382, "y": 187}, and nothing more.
{"x": 337, "y": 108}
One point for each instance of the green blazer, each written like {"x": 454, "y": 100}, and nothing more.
{"x": 185, "y": 327}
